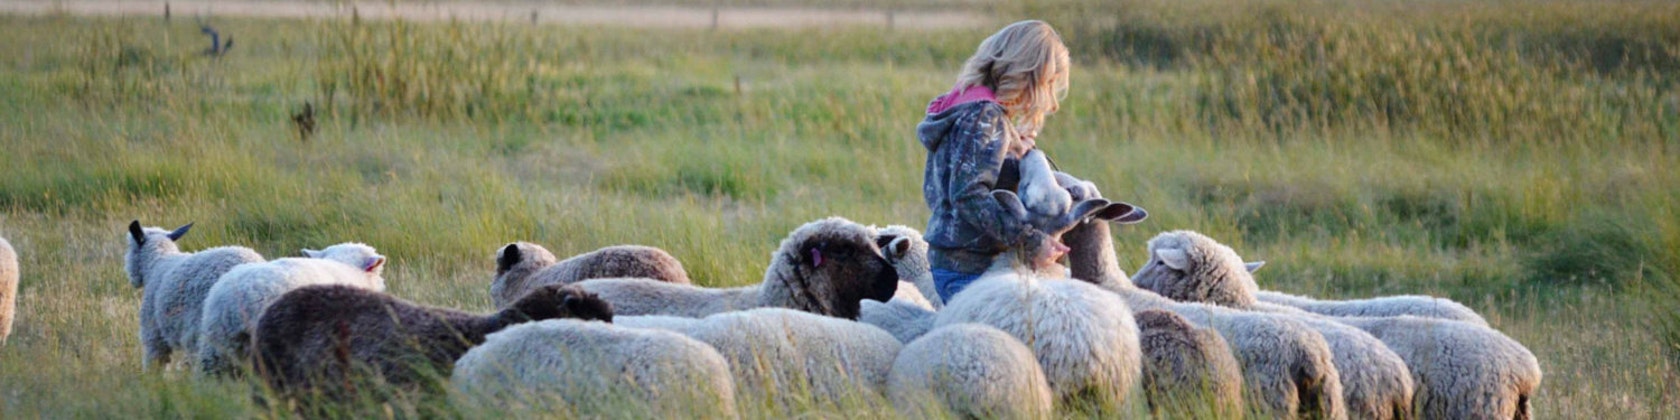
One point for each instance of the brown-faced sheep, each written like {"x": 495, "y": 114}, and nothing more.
{"x": 323, "y": 341}
{"x": 523, "y": 266}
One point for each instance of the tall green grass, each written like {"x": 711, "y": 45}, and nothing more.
{"x": 1497, "y": 153}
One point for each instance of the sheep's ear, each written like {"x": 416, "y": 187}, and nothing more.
{"x": 1010, "y": 203}
{"x": 135, "y": 231}
{"x": 1136, "y": 215}
{"x": 1122, "y": 213}
{"x": 373, "y": 263}
{"x": 311, "y": 253}
{"x": 1112, "y": 210}
{"x": 179, "y": 232}
{"x": 816, "y": 256}
{"x": 1173, "y": 257}
{"x": 507, "y": 258}
{"x": 899, "y": 248}
{"x": 1254, "y": 266}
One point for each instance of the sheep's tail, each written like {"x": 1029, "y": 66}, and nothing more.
{"x": 1525, "y": 411}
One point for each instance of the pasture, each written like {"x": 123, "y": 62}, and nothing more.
{"x": 1518, "y": 157}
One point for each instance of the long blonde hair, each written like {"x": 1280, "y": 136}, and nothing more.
{"x": 1026, "y": 65}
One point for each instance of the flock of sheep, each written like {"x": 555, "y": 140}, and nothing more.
{"x": 843, "y": 310}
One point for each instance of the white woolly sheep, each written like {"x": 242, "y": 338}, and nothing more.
{"x": 1188, "y": 266}
{"x": 905, "y": 320}
{"x": 969, "y": 371}
{"x": 780, "y": 357}
{"x": 1415, "y": 305}
{"x": 825, "y": 267}
{"x": 594, "y": 369}
{"x": 237, "y": 300}
{"x": 173, "y": 286}
{"x": 1462, "y": 370}
{"x": 523, "y": 266}
{"x": 1187, "y": 371}
{"x": 907, "y": 252}
{"x": 8, "y": 288}
{"x": 1287, "y": 367}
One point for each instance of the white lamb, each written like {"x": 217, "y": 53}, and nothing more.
{"x": 1187, "y": 266}
{"x": 790, "y": 359}
{"x": 1462, "y": 370}
{"x": 8, "y": 288}
{"x": 825, "y": 267}
{"x": 236, "y": 301}
{"x": 594, "y": 369}
{"x": 1287, "y": 367}
{"x": 174, "y": 285}
{"x": 969, "y": 371}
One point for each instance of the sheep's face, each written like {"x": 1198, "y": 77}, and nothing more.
{"x": 563, "y": 301}
{"x": 1187, "y": 266}
{"x": 522, "y": 258}
{"x": 357, "y": 255}
{"x": 832, "y": 265}
{"x": 145, "y": 245}
{"x": 905, "y": 250}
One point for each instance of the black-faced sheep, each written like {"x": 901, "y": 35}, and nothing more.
{"x": 322, "y": 341}
{"x": 825, "y": 267}
{"x": 238, "y": 298}
{"x": 174, "y": 286}
{"x": 522, "y": 266}
{"x": 593, "y": 369}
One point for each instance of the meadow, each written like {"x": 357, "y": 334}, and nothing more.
{"x": 1516, "y": 156}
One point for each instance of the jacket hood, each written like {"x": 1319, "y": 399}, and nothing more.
{"x": 945, "y": 109}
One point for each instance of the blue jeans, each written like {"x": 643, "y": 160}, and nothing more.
{"x": 948, "y": 282}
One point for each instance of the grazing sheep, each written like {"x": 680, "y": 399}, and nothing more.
{"x": 237, "y": 300}
{"x": 1462, "y": 370}
{"x": 8, "y": 288}
{"x": 969, "y": 371}
{"x": 1187, "y": 371}
{"x": 904, "y": 319}
{"x": 1187, "y": 266}
{"x": 174, "y": 285}
{"x": 790, "y": 359}
{"x": 1415, "y": 305}
{"x": 1287, "y": 367}
{"x": 907, "y": 252}
{"x": 594, "y": 369}
{"x": 1085, "y": 340}
{"x": 825, "y": 267}
{"x": 318, "y": 341}
{"x": 523, "y": 266}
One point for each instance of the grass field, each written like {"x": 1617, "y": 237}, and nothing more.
{"x": 1518, "y": 157}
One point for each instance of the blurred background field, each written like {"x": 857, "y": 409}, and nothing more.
{"x": 1517, "y": 156}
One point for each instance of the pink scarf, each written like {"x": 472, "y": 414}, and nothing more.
{"x": 956, "y": 97}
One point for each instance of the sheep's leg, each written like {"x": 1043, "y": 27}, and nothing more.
{"x": 157, "y": 352}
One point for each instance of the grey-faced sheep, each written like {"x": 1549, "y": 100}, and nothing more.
{"x": 1084, "y": 339}
{"x": 1287, "y": 367}
{"x": 523, "y": 266}
{"x": 8, "y": 288}
{"x": 791, "y": 359}
{"x": 315, "y": 340}
{"x": 825, "y": 267}
{"x": 1187, "y": 266}
{"x": 1462, "y": 370}
{"x": 969, "y": 371}
{"x": 174, "y": 285}
{"x": 1181, "y": 377}
{"x": 237, "y": 300}
{"x": 594, "y": 369}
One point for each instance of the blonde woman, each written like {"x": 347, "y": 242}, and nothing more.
{"x": 975, "y": 136}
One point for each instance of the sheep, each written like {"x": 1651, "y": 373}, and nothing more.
{"x": 237, "y": 300}
{"x": 315, "y": 341}
{"x": 592, "y": 368}
{"x": 825, "y": 267}
{"x": 904, "y": 319}
{"x": 1416, "y": 305}
{"x": 905, "y": 249}
{"x": 1084, "y": 340}
{"x": 1187, "y": 266}
{"x": 972, "y": 371}
{"x": 173, "y": 286}
{"x": 1181, "y": 377}
{"x": 1462, "y": 370}
{"x": 523, "y": 266}
{"x": 8, "y": 288}
{"x": 779, "y": 356}
{"x": 1287, "y": 367}
{"x": 909, "y": 313}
